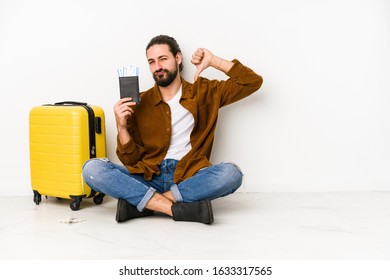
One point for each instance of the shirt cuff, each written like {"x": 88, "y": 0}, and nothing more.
{"x": 126, "y": 148}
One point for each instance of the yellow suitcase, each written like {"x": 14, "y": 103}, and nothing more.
{"x": 63, "y": 136}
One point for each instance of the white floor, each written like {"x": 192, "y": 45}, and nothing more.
{"x": 277, "y": 226}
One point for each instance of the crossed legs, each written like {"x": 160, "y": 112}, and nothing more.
{"x": 187, "y": 201}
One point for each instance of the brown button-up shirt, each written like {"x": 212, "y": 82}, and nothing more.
{"x": 150, "y": 124}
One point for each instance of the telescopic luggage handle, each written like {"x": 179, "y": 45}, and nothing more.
{"x": 71, "y": 103}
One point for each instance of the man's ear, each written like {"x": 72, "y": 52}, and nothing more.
{"x": 179, "y": 58}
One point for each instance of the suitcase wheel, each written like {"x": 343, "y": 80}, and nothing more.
{"x": 37, "y": 197}
{"x": 76, "y": 200}
{"x": 98, "y": 199}
{"x": 76, "y": 203}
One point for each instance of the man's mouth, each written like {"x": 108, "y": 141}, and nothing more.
{"x": 160, "y": 72}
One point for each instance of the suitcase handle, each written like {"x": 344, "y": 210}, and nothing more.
{"x": 71, "y": 103}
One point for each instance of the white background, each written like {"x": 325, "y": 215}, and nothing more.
{"x": 321, "y": 121}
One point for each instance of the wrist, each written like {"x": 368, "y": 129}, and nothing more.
{"x": 216, "y": 62}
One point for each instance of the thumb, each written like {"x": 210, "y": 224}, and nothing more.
{"x": 198, "y": 71}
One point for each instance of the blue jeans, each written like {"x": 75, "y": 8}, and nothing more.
{"x": 115, "y": 180}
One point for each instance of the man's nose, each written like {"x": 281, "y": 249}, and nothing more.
{"x": 158, "y": 65}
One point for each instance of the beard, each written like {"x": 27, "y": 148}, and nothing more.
{"x": 165, "y": 80}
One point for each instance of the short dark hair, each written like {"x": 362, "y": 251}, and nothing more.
{"x": 166, "y": 40}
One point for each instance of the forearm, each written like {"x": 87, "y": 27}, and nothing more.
{"x": 123, "y": 136}
{"x": 221, "y": 64}
{"x": 242, "y": 82}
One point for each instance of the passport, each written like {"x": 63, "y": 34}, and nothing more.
{"x": 129, "y": 87}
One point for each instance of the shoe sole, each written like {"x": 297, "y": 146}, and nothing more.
{"x": 117, "y": 210}
{"x": 210, "y": 211}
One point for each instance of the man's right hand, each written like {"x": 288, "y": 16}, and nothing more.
{"x": 122, "y": 111}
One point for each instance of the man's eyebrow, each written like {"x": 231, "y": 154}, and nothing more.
{"x": 161, "y": 56}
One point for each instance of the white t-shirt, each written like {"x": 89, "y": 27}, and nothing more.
{"x": 182, "y": 123}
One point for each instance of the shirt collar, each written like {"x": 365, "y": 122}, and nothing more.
{"x": 157, "y": 95}
{"x": 185, "y": 87}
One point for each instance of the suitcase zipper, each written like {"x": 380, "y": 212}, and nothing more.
{"x": 91, "y": 125}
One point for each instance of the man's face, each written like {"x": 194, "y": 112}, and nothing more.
{"x": 163, "y": 65}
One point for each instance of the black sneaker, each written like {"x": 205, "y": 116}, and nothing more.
{"x": 200, "y": 211}
{"x": 125, "y": 211}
